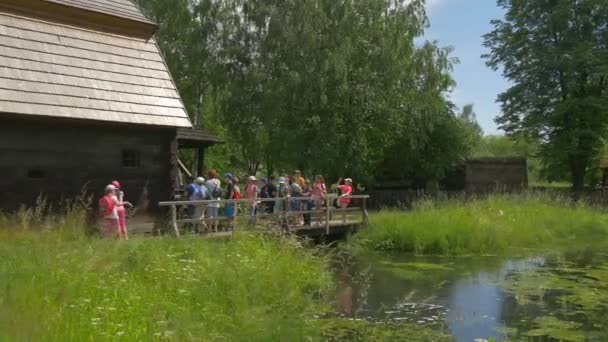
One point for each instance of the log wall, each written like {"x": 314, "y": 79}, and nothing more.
{"x": 58, "y": 158}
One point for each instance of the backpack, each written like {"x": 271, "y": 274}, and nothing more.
{"x": 283, "y": 190}
{"x": 237, "y": 193}
{"x": 217, "y": 192}
{"x": 106, "y": 205}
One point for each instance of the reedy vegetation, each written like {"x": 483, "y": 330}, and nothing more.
{"x": 58, "y": 284}
{"x": 498, "y": 224}
{"x": 190, "y": 289}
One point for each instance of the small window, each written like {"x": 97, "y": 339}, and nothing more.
{"x": 35, "y": 174}
{"x": 130, "y": 158}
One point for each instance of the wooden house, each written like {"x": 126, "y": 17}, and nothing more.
{"x": 86, "y": 98}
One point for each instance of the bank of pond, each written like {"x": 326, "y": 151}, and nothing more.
{"x": 503, "y": 269}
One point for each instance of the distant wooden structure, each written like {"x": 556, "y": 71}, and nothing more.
{"x": 491, "y": 174}
{"x": 475, "y": 176}
{"x": 85, "y": 98}
{"x": 331, "y": 222}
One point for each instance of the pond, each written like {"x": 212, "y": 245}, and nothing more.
{"x": 553, "y": 296}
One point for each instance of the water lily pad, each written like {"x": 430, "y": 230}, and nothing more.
{"x": 555, "y": 328}
{"x": 423, "y": 266}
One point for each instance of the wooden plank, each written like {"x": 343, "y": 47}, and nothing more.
{"x": 91, "y": 114}
{"x": 22, "y": 64}
{"x": 104, "y": 7}
{"x": 34, "y": 38}
{"x": 56, "y": 29}
{"x": 174, "y": 221}
{"x": 74, "y": 16}
{"x": 244, "y": 200}
{"x": 183, "y": 168}
{"x": 365, "y": 217}
{"x": 21, "y": 45}
{"x": 89, "y": 93}
{"x": 83, "y": 102}
{"x": 85, "y": 83}
{"x": 89, "y": 64}
{"x": 328, "y": 202}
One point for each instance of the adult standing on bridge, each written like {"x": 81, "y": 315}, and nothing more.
{"x": 318, "y": 195}
{"x": 298, "y": 178}
{"x": 196, "y": 191}
{"x": 307, "y": 204}
{"x": 232, "y": 193}
{"x": 214, "y": 188}
{"x": 269, "y": 190}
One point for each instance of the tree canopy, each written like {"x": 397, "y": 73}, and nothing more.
{"x": 338, "y": 87}
{"x": 556, "y": 55}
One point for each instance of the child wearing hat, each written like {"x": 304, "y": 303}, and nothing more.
{"x": 121, "y": 211}
{"x": 346, "y": 190}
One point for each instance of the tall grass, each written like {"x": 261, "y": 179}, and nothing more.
{"x": 493, "y": 225}
{"x": 71, "y": 218}
{"x": 254, "y": 288}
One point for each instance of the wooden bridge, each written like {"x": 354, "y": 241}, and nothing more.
{"x": 290, "y": 215}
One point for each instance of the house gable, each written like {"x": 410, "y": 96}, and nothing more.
{"x": 48, "y": 68}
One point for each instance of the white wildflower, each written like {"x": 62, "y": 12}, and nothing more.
{"x": 120, "y": 333}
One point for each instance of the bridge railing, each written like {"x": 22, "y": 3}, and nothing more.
{"x": 285, "y": 211}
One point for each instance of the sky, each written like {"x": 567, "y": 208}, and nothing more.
{"x": 461, "y": 24}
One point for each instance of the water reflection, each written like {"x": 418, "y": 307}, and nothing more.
{"x": 487, "y": 297}
{"x": 477, "y": 302}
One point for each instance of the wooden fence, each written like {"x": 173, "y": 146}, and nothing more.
{"x": 281, "y": 216}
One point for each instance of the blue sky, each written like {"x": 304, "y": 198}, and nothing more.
{"x": 460, "y": 24}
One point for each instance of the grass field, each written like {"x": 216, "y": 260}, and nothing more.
{"x": 494, "y": 225}
{"x": 62, "y": 286}
{"x": 250, "y": 289}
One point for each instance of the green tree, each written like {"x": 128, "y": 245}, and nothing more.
{"x": 469, "y": 116}
{"x": 556, "y": 54}
{"x": 336, "y": 87}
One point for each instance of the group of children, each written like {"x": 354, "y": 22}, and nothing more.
{"x": 304, "y": 194}
{"x": 112, "y": 209}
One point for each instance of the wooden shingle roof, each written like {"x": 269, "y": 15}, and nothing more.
{"x": 50, "y": 69}
{"x": 117, "y": 8}
{"x": 194, "y": 137}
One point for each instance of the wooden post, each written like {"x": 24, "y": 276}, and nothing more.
{"x": 364, "y": 212}
{"x": 287, "y": 205}
{"x": 174, "y": 220}
{"x": 327, "y": 203}
{"x": 200, "y": 162}
{"x": 235, "y": 212}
